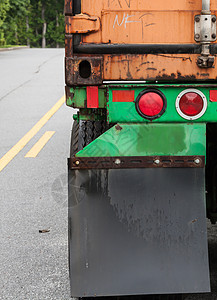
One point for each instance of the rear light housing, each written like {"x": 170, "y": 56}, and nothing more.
{"x": 191, "y": 104}
{"x": 151, "y": 104}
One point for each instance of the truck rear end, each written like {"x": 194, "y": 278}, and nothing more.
{"x": 142, "y": 168}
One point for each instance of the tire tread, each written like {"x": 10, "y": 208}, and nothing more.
{"x": 84, "y": 132}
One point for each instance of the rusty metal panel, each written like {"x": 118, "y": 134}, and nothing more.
{"x": 69, "y": 94}
{"x": 137, "y": 40}
{"x": 77, "y": 163}
{"x": 83, "y": 70}
{"x": 155, "y": 67}
{"x": 82, "y": 23}
{"x": 68, "y": 7}
{"x": 68, "y": 45}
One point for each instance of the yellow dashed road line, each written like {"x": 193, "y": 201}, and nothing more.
{"x": 4, "y": 161}
{"x": 33, "y": 152}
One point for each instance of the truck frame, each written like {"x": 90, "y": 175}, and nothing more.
{"x": 143, "y": 165}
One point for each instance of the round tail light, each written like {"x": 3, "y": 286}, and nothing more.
{"x": 191, "y": 104}
{"x": 151, "y": 104}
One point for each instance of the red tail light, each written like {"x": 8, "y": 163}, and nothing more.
{"x": 151, "y": 104}
{"x": 191, "y": 104}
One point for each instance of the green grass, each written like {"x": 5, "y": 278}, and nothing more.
{"x": 11, "y": 46}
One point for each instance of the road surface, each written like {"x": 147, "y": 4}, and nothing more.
{"x": 33, "y": 191}
{"x": 35, "y": 132}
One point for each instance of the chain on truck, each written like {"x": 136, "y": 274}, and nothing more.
{"x": 143, "y": 163}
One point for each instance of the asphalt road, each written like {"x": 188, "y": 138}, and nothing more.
{"x": 33, "y": 265}
{"x": 33, "y": 190}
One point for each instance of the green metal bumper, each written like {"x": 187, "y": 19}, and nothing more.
{"x": 124, "y": 111}
{"x": 149, "y": 139}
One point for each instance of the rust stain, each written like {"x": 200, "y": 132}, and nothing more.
{"x": 118, "y": 127}
{"x": 132, "y": 21}
{"x": 68, "y": 45}
{"x": 70, "y": 95}
{"x": 154, "y": 67}
{"x": 91, "y": 73}
{"x": 68, "y": 7}
{"x": 193, "y": 221}
{"x": 174, "y": 56}
{"x": 185, "y": 77}
{"x": 132, "y": 161}
{"x": 204, "y": 74}
{"x": 82, "y": 23}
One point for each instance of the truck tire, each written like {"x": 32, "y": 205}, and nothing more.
{"x": 84, "y": 132}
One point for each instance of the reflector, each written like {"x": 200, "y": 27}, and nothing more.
{"x": 191, "y": 104}
{"x": 151, "y": 104}
{"x": 213, "y": 95}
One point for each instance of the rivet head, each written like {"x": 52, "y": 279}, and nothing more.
{"x": 213, "y": 36}
{"x": 157, "y": 161}
{"x": 197, "y": 161}
{"x": 117, "y": 161}
{"x": 197, "y": 36}
{"x": 213, "y": 19}
{"x": 197, "y": 19}
{"x": 77, "y": 162}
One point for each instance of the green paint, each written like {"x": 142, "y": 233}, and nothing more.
{"x": 159, "y": 137}
{"x": 125, "y": 112}
{"x": 80, "y": 98}
{"x": 149, "y": 139}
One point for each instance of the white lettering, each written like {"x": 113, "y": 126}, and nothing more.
{"x": 125, "y": 20}
{"x": 116, "y": 21}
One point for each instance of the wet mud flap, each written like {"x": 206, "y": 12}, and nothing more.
{"x": 137, "y": 231}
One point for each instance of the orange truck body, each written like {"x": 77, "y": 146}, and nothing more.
{"x": 139, "y": 22}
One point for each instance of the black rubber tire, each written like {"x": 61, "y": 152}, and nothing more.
{"x": 84, "y": 132}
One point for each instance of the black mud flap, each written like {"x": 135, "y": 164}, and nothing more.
{"x": 137, "y": 231}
